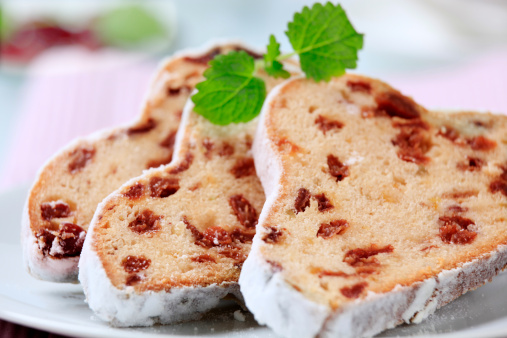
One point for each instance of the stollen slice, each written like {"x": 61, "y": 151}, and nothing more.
{"x": 69, "y": 187}
{"x": 168, "y": 245}
{"x": 378, "y": 211}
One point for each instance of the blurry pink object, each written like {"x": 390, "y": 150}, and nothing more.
{"x": 72, "y": 92}
{"x": 480, "y": 85}
{"x": 35, "y": 37}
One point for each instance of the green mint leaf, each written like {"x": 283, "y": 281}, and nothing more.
{"x": 272, "y": 66}
{"x": 6, "y": 26}
{"x": 325, "y": 40}
{"x": 230, "y": 93}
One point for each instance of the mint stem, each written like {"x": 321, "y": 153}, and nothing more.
{"x": 260, "y": 64}
{"x": 285, "y": 56}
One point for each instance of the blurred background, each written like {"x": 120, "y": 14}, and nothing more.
{"x": 68, "y": 68}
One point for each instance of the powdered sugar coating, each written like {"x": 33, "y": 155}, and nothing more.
{"x": 239, "y": 316}
{"x": 277, "y": 304}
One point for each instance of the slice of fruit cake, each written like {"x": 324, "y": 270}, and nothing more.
{"x": 378, "y": 211}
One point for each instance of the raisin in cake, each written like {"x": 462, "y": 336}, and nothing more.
{"x": 69, "y": 187}
{"x": 378, "y": 211}
{"x": 168, "y": 245}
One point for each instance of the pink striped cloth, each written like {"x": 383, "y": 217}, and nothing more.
{"x": 93, "y": 91}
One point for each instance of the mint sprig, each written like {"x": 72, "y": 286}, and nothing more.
{"x": 231, "y": 92}
{"x": 272, "y": 66}
{"x": 322, "y": 36}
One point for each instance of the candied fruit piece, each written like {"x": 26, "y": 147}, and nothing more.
{"x": 302, "y": 200}
{"x": 244, "y": 211}
{"x": 146, "y": 222}
{"x": 135, "y": 263}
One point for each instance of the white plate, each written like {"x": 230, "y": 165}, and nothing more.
{"x": 60, "y": 308}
